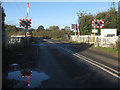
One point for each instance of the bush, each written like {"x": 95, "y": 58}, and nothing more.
{"x": 117, "y": 45}
{"x": 55, "y": 34}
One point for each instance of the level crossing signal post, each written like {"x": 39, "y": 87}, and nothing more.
{"x": 25, "y": 23}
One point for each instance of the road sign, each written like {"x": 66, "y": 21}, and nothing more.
{"x": 94, "y": 31}
{"x": 74, "y": 26}
{"x": 97, "y": 23}
{"x": 74, "y": 30}
{"x": 25, "y": 30}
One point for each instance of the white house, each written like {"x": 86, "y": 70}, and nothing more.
{"x": 108, "y": 32}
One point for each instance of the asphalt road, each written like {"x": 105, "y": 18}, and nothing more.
{"x": 64, "y": 65}
{"x": 69, "y": 71}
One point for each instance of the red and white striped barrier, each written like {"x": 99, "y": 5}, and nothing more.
{"x": 97, "y": 23}
{"x": 27, "y": 10}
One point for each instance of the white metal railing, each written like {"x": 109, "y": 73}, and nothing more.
{"x": 98, "y": 41}
{"x": 14, "y": 40}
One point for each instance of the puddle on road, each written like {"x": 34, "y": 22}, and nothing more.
{"x": 14, "y": 66}
{"x": 43, "y": 41}
{"x": 35, "y": 79}
{"x": 35, "y": 44}
{"x": 40, "y": 44}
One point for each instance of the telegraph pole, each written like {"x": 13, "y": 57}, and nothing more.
{"x": 78, "y": 24}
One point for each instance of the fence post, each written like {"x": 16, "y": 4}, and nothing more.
{"x": 88, "y": 39}
{"x": 97, "y": 42}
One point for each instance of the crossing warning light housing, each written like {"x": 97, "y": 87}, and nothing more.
{"x": 25, "y": 22}
{"x": 97, "y": 23}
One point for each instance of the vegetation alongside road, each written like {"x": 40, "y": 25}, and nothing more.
{"x": 13, "y": 30}
{"x": 114, "y": 50}
{"x": 108, "y": 50}
{"x": 110, "y": 18}
{"x": 53, "y": 34}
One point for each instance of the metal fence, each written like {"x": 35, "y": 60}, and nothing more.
{"x": 14, "y": 40}
{"x": 98, "y": 41}
{"x": 106, "y": 42}
{"x": 85, "y": 39}
{"x": 17, "y": 41}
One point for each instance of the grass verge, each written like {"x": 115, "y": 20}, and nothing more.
{"x": 108, "y": 50}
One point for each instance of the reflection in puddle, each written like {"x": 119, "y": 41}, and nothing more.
{"x": 14, "y": 64}
{"x": 43, "y": 45}
{"x": 35, "y": 79}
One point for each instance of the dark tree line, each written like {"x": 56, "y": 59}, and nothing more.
{"x": 118, "y": 20}
{"x": 53, "y": 32}
{"x": 13, "y": 30}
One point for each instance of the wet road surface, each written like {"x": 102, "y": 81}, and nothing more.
{"x": 55, "y": 68}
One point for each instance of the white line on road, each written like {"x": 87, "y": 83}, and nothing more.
{"x": 98, "y": 66}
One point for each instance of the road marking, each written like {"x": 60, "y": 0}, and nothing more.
{"x": 100, "y": 64}
{"x": 95, "y": 63}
